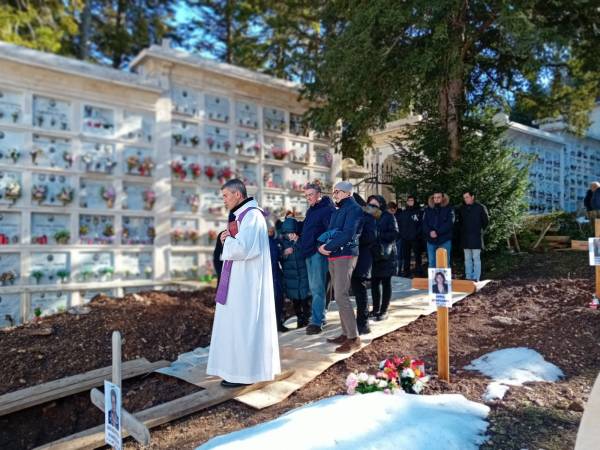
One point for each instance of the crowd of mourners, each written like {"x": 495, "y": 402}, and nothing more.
{"x": 347, "y": 244}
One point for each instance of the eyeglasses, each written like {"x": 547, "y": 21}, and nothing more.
{"x": 373, "y": 205}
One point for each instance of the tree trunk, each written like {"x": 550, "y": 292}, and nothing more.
{"x": 120, "y": 23}
{"x": 229, "y": 32}
{"x": 84, "y": 37}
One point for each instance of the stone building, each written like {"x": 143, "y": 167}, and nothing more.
{"x": 109, "y": 180}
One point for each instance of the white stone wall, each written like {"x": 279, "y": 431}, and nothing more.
{"x": 157, "y": 145}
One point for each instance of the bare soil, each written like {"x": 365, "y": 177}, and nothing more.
{"x": 539, "y": 302}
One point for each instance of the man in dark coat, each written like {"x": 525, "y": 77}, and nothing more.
{"x": 385, "y": 261}
{"x": 410, "y": 222}
{"x": 274, "y": 247}
{"x": 340, "y": 245}
{"x": 316, "y": 222}
{"x": 362, "y": 271}
{"x": 438, "y": 222}
{"x": 473, "y": 218}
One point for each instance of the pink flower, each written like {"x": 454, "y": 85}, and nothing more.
{"x": 351, "y": 381}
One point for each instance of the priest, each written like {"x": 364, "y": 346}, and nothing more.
{"x": 244, "y": 348}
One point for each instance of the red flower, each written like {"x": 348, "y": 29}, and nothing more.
{"x": 209, "y": 172}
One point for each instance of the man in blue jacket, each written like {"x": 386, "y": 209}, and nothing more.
{"x": 315, "y": 224}
{"x": 438, "y": 221}
{"x": 341, "y": 248}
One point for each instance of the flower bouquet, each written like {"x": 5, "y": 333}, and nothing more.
{"x": 193, "y": 236}
{"x": 87, "y": 159}
{"x": 62, "y": 237}
{"x": 395, "y": 375}
{"x": 68, "y": 158}
{"x": 109, "y": 230}
{"x": 14, "y": 154}
{"x": 35, "y": 154}
{"x": 177, "y": 236}
{"x": 279, "y": 153}
{"x": 196, "y": 170}
{"x": 132, "y": 162}
{"x": 195, "y": 140}
{"x": 146, "y": 167}
{"x": 211, "y": 142}
{"x": 39, "y": 193}
{"x": 12, "y": 191}
{"x": 209, "y": 172}
{"x": 224, "y": 174}
{"x": 108, "y": 194}
{"x": 212, "y": 236}
{"x": 178, "y": 170}
{"x": 226, "y": 145}
{"x": 149, "y": 199}
{"x": 66, "y": 195}
{"x": 8, "y": 277}
{"x": 194, "y": 201}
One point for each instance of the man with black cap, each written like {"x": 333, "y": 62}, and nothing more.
{"x": 340, "y": 245}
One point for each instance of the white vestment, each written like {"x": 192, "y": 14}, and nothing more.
{"x": 244, "y": 347}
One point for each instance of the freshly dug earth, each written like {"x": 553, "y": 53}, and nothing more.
{"x": 540, "y": 304}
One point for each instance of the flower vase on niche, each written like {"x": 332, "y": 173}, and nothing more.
{"x": 211, "y": 142}
{"x": 39, "y": 192}
{"x": 146, "y": 167}
{"x": 65, "y": 195}
{"x": 8, "y": 277}
{"x": 36, "y": 153}
{"x": 14, "y": 154}
{"x": 62, "y": 237}
{"x": 12, "y": 191}
{"x": 149, "y": 197}
{"x": 196, "y": 170}
{"x": 209, "y": 172}
{"x": 178, "y": 170}
{"x": 87, "y": 159}
{"x": 193, "y": 236}
{"x": 68, "y": 158}
{"x": 224, "y": 174}
{"x": 194, "y": 201}
{"x": 132, "y": 163}
{"x": 108, "y": 194}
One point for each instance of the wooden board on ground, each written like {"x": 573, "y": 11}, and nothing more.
{"x": 579, "y": 245}
{"x": 160, "y": 414}
{"x": 465, "y": 286}
{"x": 42, "y": 393}
{"x": 561, "y": 239}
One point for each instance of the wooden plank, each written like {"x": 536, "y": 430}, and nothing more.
{"x": 160, "y": 414}
{"x": 561, "y": 239}
{"x": 597, "y": 234}
{"x": 133, "y": 426}
{"x": 579, "y": 245}
{"x": 443, "y": 335}
{"x": 466, "y": 286}
{"x": 42, "y": 393}
{"x": 542, "y": 234}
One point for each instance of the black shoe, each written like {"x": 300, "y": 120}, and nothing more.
{"x": 364, "y": 330}
{"x": 373, "y": 314}
{"x": 313, "y": 329}
{"x": 229, "y": 384}
{"x": 302, "y": 322}
{"x": 381, "y": 316}
{"x": 282, "y": 328}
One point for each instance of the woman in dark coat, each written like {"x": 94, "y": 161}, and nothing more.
{"x": 384, "y": 258}
{"x": 295, "y": 275}
{"x": 362, "y": 270}
{"x": 275, "y": 250}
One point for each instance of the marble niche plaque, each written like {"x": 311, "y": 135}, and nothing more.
{"x": 12, "y": 147}
{"x": 138, "y": 161}
{"x": 185, "y": 134}
{"x": 185, "y": 101}
{"x": 274, "y": 119}
{"x": 44, "y": 227}
{"x": 52, "y": 188}
{"x": 217, "y": 139}
{"x": 98, "y": 157}
{"x": 273, "y": 177}
{"x": 136, "y": 127}
{"x": 274, "y": 146}
{"x": 323, "y": 156}
{"x": 247, "y": 144}
{"x": 185, "y": 199}
{"x": 51, "y": 152}
{"x": 211, "y": 229}
{"x": 94, "y": 267}
{"x": 11, "y": 188}
{"x": 10, "y": 310}
{"x": 96, "y": 194}
{"x": 185, "y": 231}
{"x": 10, "y": 269}
{"x": 297, "y": 125}
{"x": 48, "y": 303}
{"x": 217, "y": 108}
{"x": 212, "y": 203}
{"x": 186, "y": 167}
{"x": 297, "y": 204}
{"x": 47, "y": 267}
{"x": 247, "y": 173}
{"x": 138, "y": 231}
{"x": 11, "y": 107}
{"x": 299, "y": 152}
{"x": 96, "y": 229}
{"x": 10, "y": 228}
{"x": 296, "y": 179}
{"x": 274, "y": 204}
{"x": 87, "y": 296}
{"x": 246, "y": 114}
{"x": 136, "y": 265}
{"x": 183, "y": 265}
{"x": 98, "y": 121}
{"x": 135, "y": 196}
{"x": 323, "y": 177}
{"x": 51, "y": 114}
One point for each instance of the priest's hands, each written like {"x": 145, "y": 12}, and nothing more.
{"x": 322, "y": 250}
{"x": 224, "y": 235}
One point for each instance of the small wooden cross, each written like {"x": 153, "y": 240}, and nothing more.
{"x": 135, "y": 428}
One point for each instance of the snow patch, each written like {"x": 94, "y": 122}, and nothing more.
{"x": 513, "y": 367}
{"x": 368, "y": 422}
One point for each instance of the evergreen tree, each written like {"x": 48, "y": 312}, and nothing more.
{"x": 487, "y": 167}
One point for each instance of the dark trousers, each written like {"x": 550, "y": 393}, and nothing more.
{"x": 279, "y": 312}
{"x": 359, "y": 289}
{"x": 407, "y": 248}
{"x": 303, "y": 311}
{"x": 380, "y": 304}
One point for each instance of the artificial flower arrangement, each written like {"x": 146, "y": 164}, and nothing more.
{"x": 149, "y": 199}
{"x": 132, "y": 162}
{"x": 35, "y": 154}
{"x": 66, "y": 195}
{"x": 88, "y": 159}
{"x": 68, "y": 158}
{"x": 196, "y": 170}
{"x": 279, "y": 153}
{"x": 177, "y": 236}
{"x": 12, "y": 191}
{"x": 211, "y": 142}
{"x": 8, "y": 277}
{"x": 226, "y": 145}
{"x": 195, "y": 140}
{"x": 108, "y": 194}
{"x": 146, "y": 167}
{"x": 224, "y": 174}
{"x": 178, "y": 170}
{"x": 39, "y": 192}
{"x": 212, "y": 236}
{"x": 209, "y": 172}
{"x": 193, "y": 236}
{"x": 14, "y": 154}
{"x": 395, "y": 375}
{"x": 109, "y": 164}
{"x": 62, "y": 237}
{"x": 194, "y": 201}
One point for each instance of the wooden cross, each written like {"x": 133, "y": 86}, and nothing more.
{"x": 136, "y": 428}
{"x": 597, "y": 234}
{"x": 443, "y": 343}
